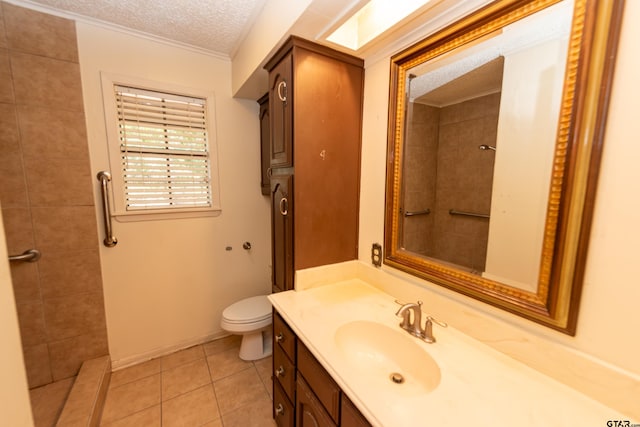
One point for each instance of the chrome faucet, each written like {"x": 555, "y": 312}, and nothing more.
{"x": 414, "y": 327}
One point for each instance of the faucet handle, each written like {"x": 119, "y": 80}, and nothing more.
{"x": 436, "y": 321}
{"x": 427, "y": 332}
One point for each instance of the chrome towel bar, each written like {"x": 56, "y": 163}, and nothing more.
{"x": 30, "y": 255}
{"x": 463, "y": 213}
{"x": 105, "y": 177}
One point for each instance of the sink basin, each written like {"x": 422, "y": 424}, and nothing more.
{"x": 387, "y": 358}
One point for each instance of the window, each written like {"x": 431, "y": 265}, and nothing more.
{"x": 159, "y": 150}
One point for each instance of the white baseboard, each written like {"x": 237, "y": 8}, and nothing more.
{"x": 163, "y": 351}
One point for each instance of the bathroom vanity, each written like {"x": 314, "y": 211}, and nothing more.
{"x": 303, "y": 391}
{"x": 339, "y": 341}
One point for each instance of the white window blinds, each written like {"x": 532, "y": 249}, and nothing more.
{"x": 164, "y": 149}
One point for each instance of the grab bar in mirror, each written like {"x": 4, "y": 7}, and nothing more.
{"x": 104, "y": 177}
{"x": 30, "y": 255}
{"x": 415, "y": 213}
{"x": 463, "y": 213}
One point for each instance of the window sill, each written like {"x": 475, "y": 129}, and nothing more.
{"x": 157, "y": 216}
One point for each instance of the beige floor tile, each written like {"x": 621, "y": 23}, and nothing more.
{"x": 226, "y": 363}
{"x": 182, "y": 357}
{"x": 184, "y": 378}
{"x": 222, "y": 344}
{"x": 150, "y": 417}
{"x": 136, "y": 372}
{"x": 256, "y": 414}
{"x": 264, "y": 368}
{"x": 191, "y": 409}
{"x": 130, "y": 398}
{"x": 239, "y": 390}
{"x": 47, "y": 402}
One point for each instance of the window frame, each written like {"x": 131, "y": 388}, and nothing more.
{"x": 119, "y": 205}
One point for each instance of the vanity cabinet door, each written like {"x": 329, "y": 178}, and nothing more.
{"x": 309, "y": 410}
{"x": 281, "y": 112}
{"x": 282, "y": 232}
{"x": 350, "y": 416}
{"x": 319, "y": 380}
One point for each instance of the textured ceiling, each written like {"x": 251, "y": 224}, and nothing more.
{"x": 214, "y": 25}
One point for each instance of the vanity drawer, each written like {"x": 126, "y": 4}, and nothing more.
{"x": 283, "y": 411}
{"x": 284, "y": 337}
{"x": 284, "y": 371}
{"x": 319, "y": 380}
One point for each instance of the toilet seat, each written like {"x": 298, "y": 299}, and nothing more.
{"x": 253, "y": 310}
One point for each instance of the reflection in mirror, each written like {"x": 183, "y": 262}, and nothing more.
{"x": 494, "y": 142}
{"x": 479, "y": 144}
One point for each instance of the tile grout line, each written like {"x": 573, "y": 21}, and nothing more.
{"x": 213, "y": 388}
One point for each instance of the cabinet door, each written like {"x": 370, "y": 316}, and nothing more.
{"x": 309, "y": 410}
{"x": 281, "y": 113}
{"x": 265, "y": 144}
{"x": 282, "y": 232}
{"x": 318, "y": 379}
{"x": 350, "y": 416}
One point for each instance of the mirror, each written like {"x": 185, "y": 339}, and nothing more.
{"x": 495, "y": 135}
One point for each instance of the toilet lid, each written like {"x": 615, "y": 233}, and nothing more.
{"x": 251, "y": 309}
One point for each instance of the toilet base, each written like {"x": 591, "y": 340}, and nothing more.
{"x": 256, "y": 344}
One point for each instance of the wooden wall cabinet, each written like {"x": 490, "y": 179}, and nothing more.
{"x": 315, "y": 110}
{"x": 304, "y": 394}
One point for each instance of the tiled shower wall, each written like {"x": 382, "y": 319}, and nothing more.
{"x": 421, "y": 167}
{"x": 46, "y": 195}
{"x": 465, "y": 179}
{"x": 446, "y": 170}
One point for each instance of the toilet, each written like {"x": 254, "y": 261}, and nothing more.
{"x": 251, "y": 318}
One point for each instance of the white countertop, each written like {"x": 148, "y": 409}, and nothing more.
{"x": 478, "y": 385}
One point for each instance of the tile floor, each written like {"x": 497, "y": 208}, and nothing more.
{"x": 206, "y": 385}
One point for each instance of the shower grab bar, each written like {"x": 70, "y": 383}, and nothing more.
{"x": 415, "y": 213}
{"x": 104, "y": 177}
{"x": 463, "y": 213}
{"x": 30, "y": 255}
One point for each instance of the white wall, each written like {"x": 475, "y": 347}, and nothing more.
{"x": 529, "y": 107}
{"x": 167, "y": 282}
{"x": 277, "y": 16}
{"x": 608, "y": 320}
{"x": 15, "y": 408}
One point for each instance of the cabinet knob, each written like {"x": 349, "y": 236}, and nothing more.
{"x": 279, "y": 337}
{"x": 280, "y": 371}
{"x": 279, "y": 409}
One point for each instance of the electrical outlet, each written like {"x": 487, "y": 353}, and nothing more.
{"x": 376, "y": 254}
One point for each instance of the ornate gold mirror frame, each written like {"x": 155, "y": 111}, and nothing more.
{"x": 588, "y": 74}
